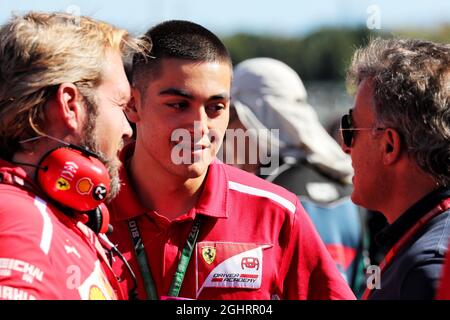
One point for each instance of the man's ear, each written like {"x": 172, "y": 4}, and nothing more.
{"x": 392, "y": 145}
{"x": 69, "y": 108}
{"x": 133, "y": 106}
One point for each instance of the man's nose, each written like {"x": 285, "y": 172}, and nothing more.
{"x": 127, "y": 131}
{"x": 200, "y": 123}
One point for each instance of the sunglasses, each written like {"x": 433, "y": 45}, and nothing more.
{"x": 347, "y": 129}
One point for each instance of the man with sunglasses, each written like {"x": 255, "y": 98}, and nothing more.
{"x": 398, "y": 137}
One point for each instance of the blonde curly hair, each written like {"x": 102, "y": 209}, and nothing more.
{"x": 38, "y": 52}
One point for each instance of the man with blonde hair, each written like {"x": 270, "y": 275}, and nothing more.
{"x": 62, "y": 92}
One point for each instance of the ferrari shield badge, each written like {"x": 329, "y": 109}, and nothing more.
{"x": 209, "y": 254}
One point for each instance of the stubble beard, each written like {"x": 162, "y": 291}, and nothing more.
{"x": 90, "y": 140}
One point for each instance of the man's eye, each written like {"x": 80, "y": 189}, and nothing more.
{"x": 178, "y": 105}
{"x": 216, "y": 107}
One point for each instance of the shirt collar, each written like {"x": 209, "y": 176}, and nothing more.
{"x": 214, "y": 198}
{"x": 393, "y": 232}
{"x": 212, "y": 202}
{"x": 13, "y": 174}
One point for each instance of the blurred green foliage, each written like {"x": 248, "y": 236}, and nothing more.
{"x": 322, "y": 55}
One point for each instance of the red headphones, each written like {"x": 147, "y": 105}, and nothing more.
{"x": 74, "y": 177}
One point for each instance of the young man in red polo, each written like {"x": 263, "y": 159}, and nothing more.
{"x": 194, "y": 227}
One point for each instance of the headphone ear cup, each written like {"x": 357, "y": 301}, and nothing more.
{"x": 99, "y": 219}
{"x": 73, "y": 179}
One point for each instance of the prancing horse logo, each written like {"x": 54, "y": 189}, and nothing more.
{"x": 209, "y": 254}
{"x": 62, "y": 184}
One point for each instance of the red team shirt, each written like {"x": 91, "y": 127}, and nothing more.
{"x": 43, "y": 253}
{"x": 255, "y": 242}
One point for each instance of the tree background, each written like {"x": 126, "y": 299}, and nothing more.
{"x": 321, "y": 59}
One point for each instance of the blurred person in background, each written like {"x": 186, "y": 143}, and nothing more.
{"x": 267, "y": 94}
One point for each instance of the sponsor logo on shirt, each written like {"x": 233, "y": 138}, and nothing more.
{"x": 96, "y": 286}
{"x": 229, "y": 265}
{"x": 72, "y": 250}
{"x": 208, "y": 254}
{"x": 10, "y": 293}
{"x": 95, "y": 293}
{"x": 29, "y": 271}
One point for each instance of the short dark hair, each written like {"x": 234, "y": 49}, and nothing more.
{"x": 177, "y": 39}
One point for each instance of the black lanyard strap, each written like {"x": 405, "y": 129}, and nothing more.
{"x": 180, "y": 272}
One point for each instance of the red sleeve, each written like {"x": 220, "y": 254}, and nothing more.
{"x": 310, "y": 271}
{"x": 25, "y": 268}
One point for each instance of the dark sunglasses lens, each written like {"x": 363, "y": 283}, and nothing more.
{"x": 347, "y": 135}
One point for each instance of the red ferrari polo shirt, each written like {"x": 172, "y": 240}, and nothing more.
{"x": 255, "y": 242}
{"x": 44, "y": 254}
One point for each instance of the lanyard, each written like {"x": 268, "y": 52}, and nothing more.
{"x": 142, "y": 260}
{"x": 400, "y": 244}
{"x": 180, "y": 272}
